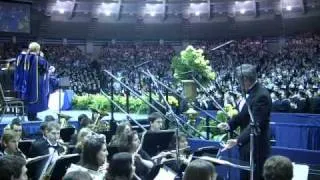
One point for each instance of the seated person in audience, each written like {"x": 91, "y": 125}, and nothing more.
{"x": 48, "y": 144}
{"x": 13, "y": 168}
{"x": 122, "y": 128}
{"x": 156, "y": 121}
{"x": 15, "y": 126}
{"x": 77, "y": 175}
{"x": 200, "y": 169}
{"x": 121, "y": 167}
{"x": 10, "y": 144}
{"x": 278, "y": 168}
{"x": 93, "y": 157}
{"x": 130, "y": 143}
{"x": 81, "y": 138}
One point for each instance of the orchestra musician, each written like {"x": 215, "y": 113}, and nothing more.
{"x": 46, "y": 145}
{"x": 156, "y": 121}
{"x": 10, "y": 144}
{"x": 131, "y": 143}
{"x": 93, "y": 157}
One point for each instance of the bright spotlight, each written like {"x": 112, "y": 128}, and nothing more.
{"x": 107, "y": 13}
{"x": 242, "y": 11}
{"x": 61, "y": 11}
{"x": 288, "y": 8}
{"x": 197, "y": 13}
{"x": 152, "y": 13}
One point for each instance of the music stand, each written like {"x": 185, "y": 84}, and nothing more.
{"x": 108, "y": 135}
{"x": 35, "y": 166}
{"x": 62, "y": 164}
{"x": 63, "y": 83}
{"x": 111, "y": 151}
{"x": 211, "y": 151}
{"x": 155, "y": 142}
{"x": 223, "y": 162}
{"x": 66, "y": 133}
{"x": 24, "y": 146}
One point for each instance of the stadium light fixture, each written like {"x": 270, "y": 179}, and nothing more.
{"x": 152, "y": 13}
{"x": 61, "y": 11}
{"x": 107, "y": 13}
{"x": 288, "y": 8}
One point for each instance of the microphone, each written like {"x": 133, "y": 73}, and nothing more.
{"x": 141, "y": 64}
{"x": 221, "y": 45}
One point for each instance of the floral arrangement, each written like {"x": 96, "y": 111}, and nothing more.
{"x": 222, "y": 116}
{"x": 173, "y": 101}
{"x": 192, "y": 62}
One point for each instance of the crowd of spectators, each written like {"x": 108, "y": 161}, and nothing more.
{"x": 288, "y": 67}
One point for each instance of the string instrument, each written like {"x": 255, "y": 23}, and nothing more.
{"x": 137, "y": 151}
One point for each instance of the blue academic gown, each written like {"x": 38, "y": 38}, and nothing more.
{"x": 32, "y": 81}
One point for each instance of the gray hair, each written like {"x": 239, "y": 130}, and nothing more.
{"x": 246, "y": 72}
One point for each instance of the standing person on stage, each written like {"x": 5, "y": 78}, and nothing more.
{"x": 259, "y": 101}
{"x": 31, "y": 80}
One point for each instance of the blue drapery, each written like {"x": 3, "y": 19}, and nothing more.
{"x": 294, "y": 130}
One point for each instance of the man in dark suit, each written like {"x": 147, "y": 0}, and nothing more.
{"x": 259, "y": 101}
{"x": 46, "y": 145}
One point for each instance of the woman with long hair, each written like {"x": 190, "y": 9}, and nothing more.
{"x": 93, "y": 157}
{"x": 121, "y": 167}
{"x": 122, "y": 128}
{"x": 130, "y": 143}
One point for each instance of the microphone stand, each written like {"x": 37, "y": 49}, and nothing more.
{"x": 149, "y": 104}
{"x": 195, "y": 106}
{"x": 254, "y": 129}
{"x": 172, "y": 116}
{"x": 122, "y": 110}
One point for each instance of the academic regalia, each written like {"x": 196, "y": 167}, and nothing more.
{"x": 32, "y": 81}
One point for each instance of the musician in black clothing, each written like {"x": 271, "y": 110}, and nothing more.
{"x": 259, "y": 101}
{"x": 10, "y": 144}
{"x": 48, "y": 144}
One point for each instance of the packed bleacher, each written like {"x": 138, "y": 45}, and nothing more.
{"x": 290, "y": 71}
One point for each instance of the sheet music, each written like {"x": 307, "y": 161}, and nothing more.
{"x": 300, "y": 172}
{"x": 165, "y": 173}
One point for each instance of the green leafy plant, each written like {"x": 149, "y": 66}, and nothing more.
{"x": 222, "y": 116}
{"x": 192, "y": 62}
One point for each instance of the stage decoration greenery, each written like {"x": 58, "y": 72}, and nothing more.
{"x": 102, "y": 103}
{"x": 222, "y": 116}
{"x": 192, "y": 62}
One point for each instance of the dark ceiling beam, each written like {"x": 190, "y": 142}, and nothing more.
{"x": 73, "y": 10}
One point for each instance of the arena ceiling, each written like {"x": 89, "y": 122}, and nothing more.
{"x": 171, "y": 19}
